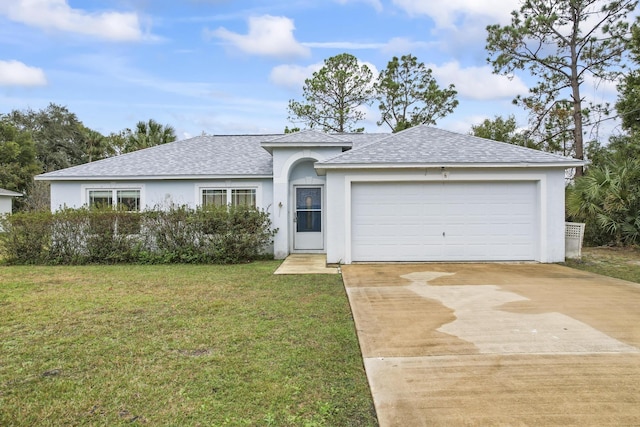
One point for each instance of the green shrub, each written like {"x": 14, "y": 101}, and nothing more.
{"x": 27, "y": 237}
{"x": 69, "y": 231}
{"x": 105, "y": 236}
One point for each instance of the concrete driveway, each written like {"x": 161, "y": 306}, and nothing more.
{"x": 497, "y": 344}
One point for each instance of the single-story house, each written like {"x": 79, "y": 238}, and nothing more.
{"x": 423, "y": 194}
{"x": 6, "y": 198}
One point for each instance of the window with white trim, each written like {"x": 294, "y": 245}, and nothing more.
{"x": 125, "y": 199}
{"x": 228, "y": 196}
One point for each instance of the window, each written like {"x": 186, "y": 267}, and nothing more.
{"x": 128, "y": 200}
{"x": 214, "y": 197}
{"x": 243, "y": 197}
{"x": 100, "y": 198}
{"x": 226, "y": 196}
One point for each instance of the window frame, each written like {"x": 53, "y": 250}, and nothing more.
{"x": 231, "y": 194}
{"x": 116, "y": 191}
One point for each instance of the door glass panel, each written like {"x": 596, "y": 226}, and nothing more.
{"x": 309, "y": 221}
{"x": 308, "y": 210}
{"x": 308, "y": 198}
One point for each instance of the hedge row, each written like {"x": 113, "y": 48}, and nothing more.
{"x": 221, "y": 235}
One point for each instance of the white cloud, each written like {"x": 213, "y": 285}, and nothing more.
{"x": 15, "y": 73}
{"x": 463, "y": 124}
{"x": 292, "y": 76}
{"x": 600, "y": 86}
{"x": 58, "y": 15}
{"x": 446, "y": 13}
{"x": 376, "y": 4}
{"x": 477, "y": 82}
{"x": 268, "y": 36}
{"x": 395, "y": 46}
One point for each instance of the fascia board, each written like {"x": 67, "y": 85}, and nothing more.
{"x": 148, "y": 177}
{"x": 321, "y": 168}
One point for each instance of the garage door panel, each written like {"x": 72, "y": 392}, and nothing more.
{"x": 480, "y": 221}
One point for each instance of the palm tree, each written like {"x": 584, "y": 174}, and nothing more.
{"x": 148, "y": 134}
{"x": 97, "y": 146}
{"x": 607, "y": 199}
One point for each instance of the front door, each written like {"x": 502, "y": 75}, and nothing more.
{"x": 308, "y": 225}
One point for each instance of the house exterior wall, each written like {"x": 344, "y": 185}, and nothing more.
{"x": 158, "y": 193}
{"x": 550, "y": 189}
{"x": 5, "y": 205}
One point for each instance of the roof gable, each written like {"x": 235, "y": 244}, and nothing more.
{"x": 306, "y": 138}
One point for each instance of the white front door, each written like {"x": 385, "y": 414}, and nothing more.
{"x": 308, "y": 226}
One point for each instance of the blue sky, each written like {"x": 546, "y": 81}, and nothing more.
{"x": 230, "y": 67}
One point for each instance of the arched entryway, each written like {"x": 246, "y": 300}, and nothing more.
{"x": 307, "y": 201}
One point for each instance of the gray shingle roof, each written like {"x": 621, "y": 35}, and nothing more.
{"x": 244, "y": 155}
{"x": 4, "y": 192}
{"x": 428, "y": 145}
{"x": 221, "y": 155}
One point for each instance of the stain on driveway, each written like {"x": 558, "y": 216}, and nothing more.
{"x": 497, "y": 344}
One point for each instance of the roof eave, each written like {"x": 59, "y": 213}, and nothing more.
{"x": 269, "y": 146}
{"x": 148, "y": 177}
{"x": 321, "y": 168}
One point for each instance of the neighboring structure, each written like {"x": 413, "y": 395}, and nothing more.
{"x": 422, "y": 194}
{"x": 6, "y": 197}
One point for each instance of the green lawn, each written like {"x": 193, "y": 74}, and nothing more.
{"x": 178, "y": 345}
{"x": 623, "y": 263}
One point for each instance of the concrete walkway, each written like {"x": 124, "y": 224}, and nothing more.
{"x": 306, "y": 264}
{"x": 497, "y": 344}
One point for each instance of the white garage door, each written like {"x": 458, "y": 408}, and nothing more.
{"x": 450, "y": 221}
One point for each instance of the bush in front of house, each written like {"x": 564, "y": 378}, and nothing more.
{"x": 179, "y": 234}
{"x": 26, "y": 237}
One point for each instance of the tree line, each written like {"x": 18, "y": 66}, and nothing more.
{"x": 39, "y": 141}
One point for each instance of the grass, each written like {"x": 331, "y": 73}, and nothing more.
{"x": 622, "y": 263}
{"x": 178, "y": 345}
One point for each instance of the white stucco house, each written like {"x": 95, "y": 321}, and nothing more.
{"x": 6, "y": 198}
{"x": 423, "y": 194}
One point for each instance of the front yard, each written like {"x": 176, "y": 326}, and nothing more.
{"x": 178, "y": 345}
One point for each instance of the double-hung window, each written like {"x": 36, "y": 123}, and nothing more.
{"x": 125, "y": 199}
{"x": 228, "y": 196}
